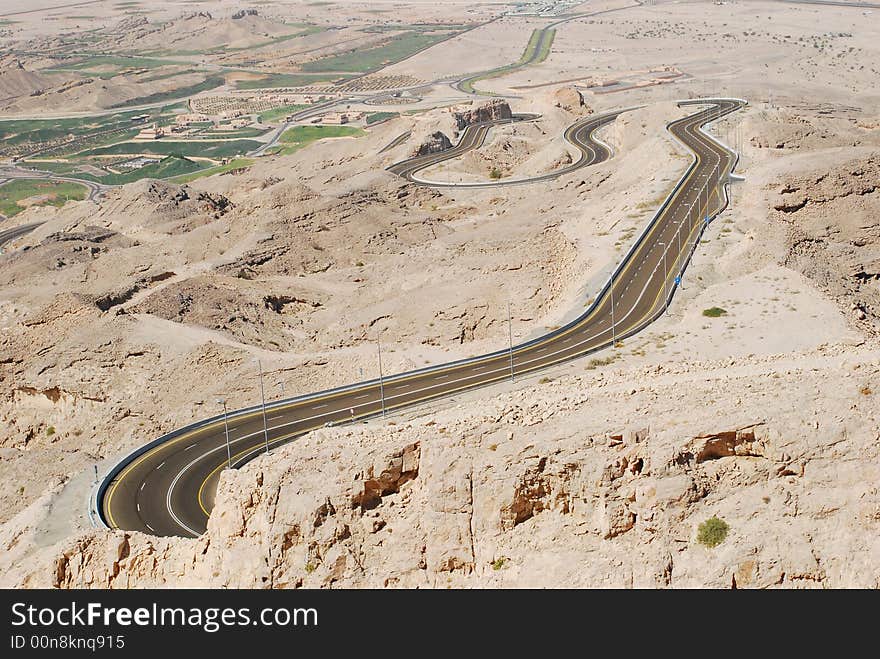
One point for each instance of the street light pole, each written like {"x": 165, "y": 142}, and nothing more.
{"x": 665, "y": 276}
{"x": 381, "y": 377}
{"x": 613, "y": 324}
{"x": 263, "y": 401}
{"x": 510, "y": 339}
{"x": 222, "y": 401}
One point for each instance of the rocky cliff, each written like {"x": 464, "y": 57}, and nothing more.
{"x": 493, "y": 110}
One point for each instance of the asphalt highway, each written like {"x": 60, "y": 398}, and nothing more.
{"x": 169, "y": 488}
{"x": 580, "y": 135}
{"x": 15, "y": 232}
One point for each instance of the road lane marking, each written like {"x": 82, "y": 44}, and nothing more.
{"x": 584, "y": 321}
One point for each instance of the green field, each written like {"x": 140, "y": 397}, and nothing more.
{"x": 64, "y": 167}
{"x": 376, "y": 117}
{"x": 288, "y": 80}
{"x": 535, "y": 48}
{"x": 298, "y": 137}
{"x": 238, "y": 163}
{"x": 166, "y": 168}
{"x": 369, "y": 59}
{"x": 280, "y": 113}
{"x": 308, "y": 29}
{"x": 56, "y": 193}
{"x": 117, "y": 64}
{"x": 199, "y": 149}
{"x": 211, "y": 82}
{"x": 26, "y": 134}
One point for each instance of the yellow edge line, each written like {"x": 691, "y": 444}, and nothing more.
{"x": 129, "y": 468}
{"x": 416, "y": 401}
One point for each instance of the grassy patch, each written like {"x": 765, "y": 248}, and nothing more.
{"x": 298, "y": 137}
{"x": 536, "y": 51}
{"x": 238, "y": 163}
{"x": 376, "y": 117}
{"x": 274, "y": 80}
{"x": 364, "y": 60}
{"x": 118, "y": 64}
{"x": 280, "y": 112}
{"x": 712, "y": 532}
{"x": 498, "y": 563}
{"x": 211, "y": 82}
{"x": 21, "y": 135}
{"x": 714, "y": 312}
{"x": 199, "y": 149}
{"x": 169, "y": 167}
{"x": 309, "y": 29}
{"x": 47, "y": 192}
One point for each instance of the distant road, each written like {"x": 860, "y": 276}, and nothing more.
{"x": 51, "y": 7}
{"x": 15, "y": 232}
{"x": 167, "y": 487}
{"x": 580, "y": 135}
{"x": 10, "y": 173}
{"x": 397, "y": 141}
{"x": 311, "y": 111}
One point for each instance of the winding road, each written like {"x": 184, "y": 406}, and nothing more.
{"x": 167, "y": 487}
{"x": 15, "y": 232}
{"x": 580, "y": 135}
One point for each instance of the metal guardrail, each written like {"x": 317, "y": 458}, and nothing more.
{"x": 105, "y": 482}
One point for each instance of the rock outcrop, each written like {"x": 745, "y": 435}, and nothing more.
{"x": 434, "y": 143}
{"x": 493, "y": 110}
{"x": 571, "y": 100}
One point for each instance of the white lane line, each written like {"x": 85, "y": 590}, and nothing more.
{"x": 364, "y": 396}
{"x": 150, "y": 527}
{"x": 161, "y": 465}
{"x": 139, "y": 507}
{"x": 504, "y": 369}
{"x": 189, "y": 447}
{"x": 318, "y": 407}
{"x": 143, "y": 485}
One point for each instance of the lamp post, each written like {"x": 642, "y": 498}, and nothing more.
{"x": 263, "y": 402}
{"x": 381, "y": 377}
{"x": 510, "y": 339}
{"x": 665, "y": 275}
{"x": 222, "y": 401}
{"x": 613, "y": 324}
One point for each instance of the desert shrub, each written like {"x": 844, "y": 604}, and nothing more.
{"x": 712, "y": 532}
{"x": 714, "y": 312}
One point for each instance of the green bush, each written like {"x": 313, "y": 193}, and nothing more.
{"x": 498, "y": 563}
{"x": 714, "y": 312}
{"x": 712, "y": 532}
{"x": 50, "y": 431}
{"x": 495, "y": 173}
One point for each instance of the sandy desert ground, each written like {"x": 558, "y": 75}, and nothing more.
{"x": 126, "y": 317}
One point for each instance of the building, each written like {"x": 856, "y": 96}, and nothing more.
{"x": 190, "y": 118}
{"x": 334, "y": 118}
{"x": 240, "y": 123}
{"x": 153, "y": 132}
